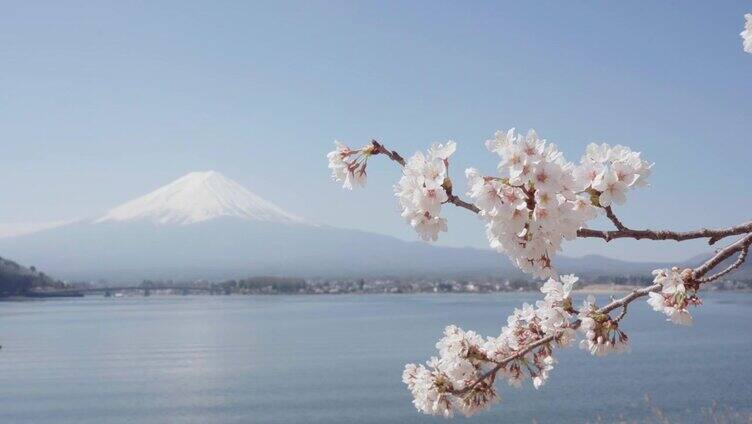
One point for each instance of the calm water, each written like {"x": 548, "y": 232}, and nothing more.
{"x": 336, "y": 359}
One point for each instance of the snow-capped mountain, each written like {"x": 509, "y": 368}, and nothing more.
{"x": 197, "y": 197}
{"x": 204, "y": 225}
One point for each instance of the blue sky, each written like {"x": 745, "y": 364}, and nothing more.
{"x": 103, "y": 101}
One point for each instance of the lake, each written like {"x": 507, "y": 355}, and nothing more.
{"x": 339, "y": 359}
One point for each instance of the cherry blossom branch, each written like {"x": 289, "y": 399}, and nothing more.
{"x": 455, "y": 200}
{"x": 712, "y": 234}
{"x": 396, "y": 157}
{"x": 739, "y": 261}
{"x": 499, "y": 365}
{"x": 611, "y": 216}
{"x": 742, "y": 246}
{"x": 538, "y": 201}
{"x": 622, "y": 231}
{"x": 623, "y": 302}
{"x": 391, "y": 154}
{"x": 695, "y": 275}
{"x": 622, "y": 314}
{"x": 626, "y": 300}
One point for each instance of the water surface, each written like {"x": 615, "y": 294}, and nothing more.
{"x": 337, "y": 359}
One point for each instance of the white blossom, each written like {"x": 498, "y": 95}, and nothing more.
{"x": 430, "y": 394}
{"x": 602, "y": 333}
{"x": 487, "y": 193}
{"x": 533, "y": 204}
{"x": 614, "y": 170}
{"x": 442, "y": 151}
{"x": 500, "y": 141}
{"x": 456, "y": 380}
{"x": 538, "y": 199}
{"x": 611, "y": 187}
{"x": 747, "y": 33}
{"x": 349, "y": 166}
{"x": 674, "y": 297}
{"x": 421, "y": 191}
{"x": 428, "y": 227}
{"x": 436, "y": 387}
{"x": 556, "y": 291}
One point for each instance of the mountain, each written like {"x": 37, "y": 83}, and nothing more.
{"x": 204, "y": 225}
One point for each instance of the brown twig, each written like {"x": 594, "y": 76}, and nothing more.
{"x": 741, "y": 245}
{"x": 712, "y": 234}
{"x": 623, "y": 313}
{"x": 453, "y": 199}
{"x": 739, "y": 261}
{"x": 393, "y": 155}
{"x": 611, "y": 216}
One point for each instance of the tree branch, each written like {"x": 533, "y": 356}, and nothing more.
{"x": 610, "y": 214}
{"x": 391, "y": 154}
{"x": 453, "y": 199}
{"x": 622, "y": 231}
{"x": 694, "y": 277}
{"x": 739, "y": 261}
{"x": 741, "y": 245}
{"x": 712, "y": 234}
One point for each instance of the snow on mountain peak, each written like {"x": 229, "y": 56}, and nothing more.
{"x": 197, "y": 197}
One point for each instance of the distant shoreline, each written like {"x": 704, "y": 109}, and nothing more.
{"x": 596, "y": 289}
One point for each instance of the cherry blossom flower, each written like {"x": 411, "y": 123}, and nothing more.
{"x": 489, "y": 194}
{"x": 428, "y": 227}
{"x": 613, "y": 169}
{"x": 349, "y": 166}
{"x": 421, "y": 191}
{"x": 537, "y": 201}
{"x": 675, "y": 296}
{"x": 747, "y": 33}
{"x": 430, "y": 391}
{"x": 611, "y": 187}
{"x": 442, "y": 151}
{"x": 602, "y": 333}
{"x": 533, "y": 204}
{"x": 456, "y": 379}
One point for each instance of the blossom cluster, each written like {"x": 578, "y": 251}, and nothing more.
{"x": 462, "y": 377}
{"x": 537, "y": 201}
{"x": 675, "y": 295}
{"x": 609, "y": 172}
{"x": 349, "y": 166}
{"x": 602, "y": 333}
{"x": 423, "y": 189}
{"x": 747, "y": 33}
{"x": 540, "y": 199}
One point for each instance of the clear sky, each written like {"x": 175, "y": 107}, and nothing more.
{"x": 104, "y": 101}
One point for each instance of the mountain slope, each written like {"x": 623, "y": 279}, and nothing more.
{"x": 233, "y": 247}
